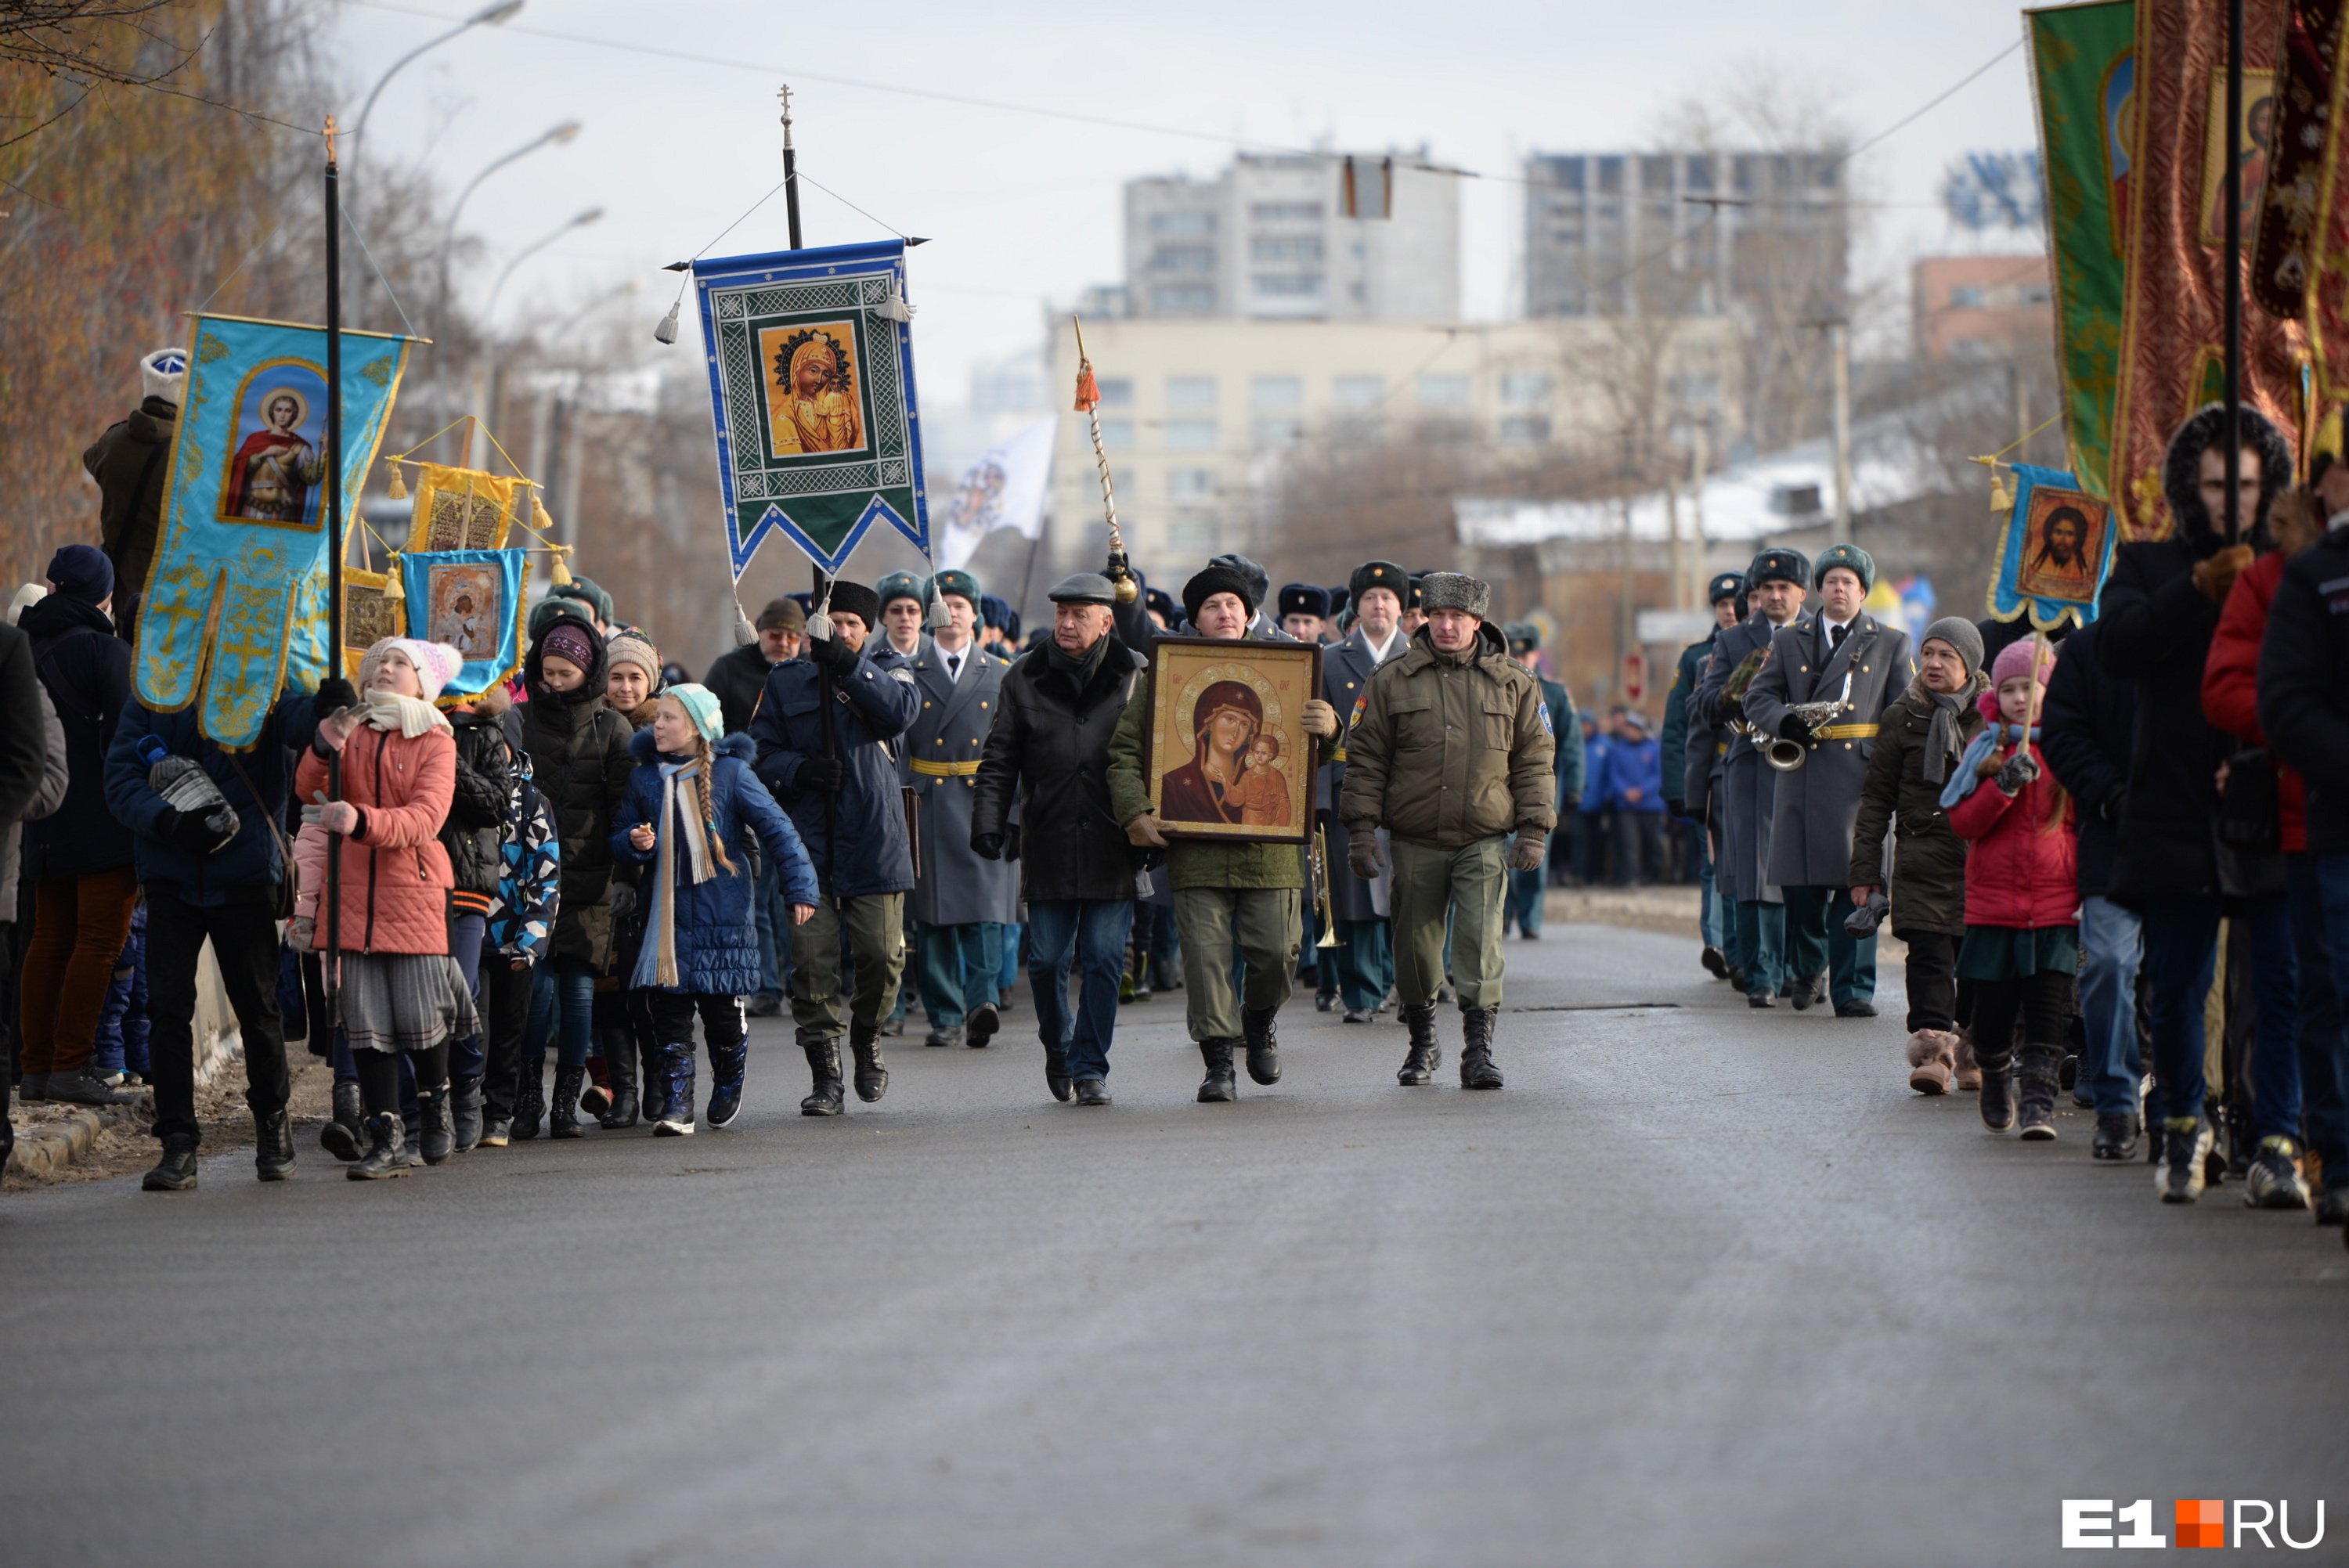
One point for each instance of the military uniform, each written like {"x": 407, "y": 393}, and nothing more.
{"x": 1452, "y": 756}
{"x": 1816, "y": 806}
{"x": 961, "y": 903}
{"x": 1742, "y": 805}
{"x": 1364, "y": 957}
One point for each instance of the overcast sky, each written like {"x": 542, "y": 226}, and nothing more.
{"x": 1022, "y": 207}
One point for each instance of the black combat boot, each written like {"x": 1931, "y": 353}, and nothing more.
{"x": 1263, "y": 1043}
{"x": 872, "y": 1072}
{"x": 530, "y": 1101}
{"x": 343, "y": 1137}
{"x": 1217, "y": 1085}
{"x": 387, "y": 1154}
{"x": 563, "y": 1111}
{"x": 176, "y": 1171}
{"x": 1477, "y": 1068}
{"x": 273, "y": 1146}
{"x": 1426, "y": 1056}
{"x": 2036, "y": 1074}
{"x": 824, "y": 1066}
{"x": 439, "y": 1135}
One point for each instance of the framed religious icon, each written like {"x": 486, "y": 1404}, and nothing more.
{"x": 1225, "y": 750}
{"x": 2054, "y": 551}
{"x": 369, "y": 615}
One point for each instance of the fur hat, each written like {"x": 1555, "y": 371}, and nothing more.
{"x": 1384, "y": 575}
{"x": 998, "y": 614}
{"x": 553, "y": 608}
{"x": 1851, "y": 558}
{"x": 2181, "y": 470}
{"x": 1160, "y": 600}
{"x": 1778, "y": 565}
{"x": 1304, "y": 599}
{"x": 1725, "y": 585}
{"x": 588, "y": 593}
{"x": 630, "y": 646}
{"x": 2014, "y": 659}
{"x": 165, "y": 373}
{"x": 1259, "y": 581}
{"x": 700, "y": 705}
{"x": 1211, "y": 581}
{"x": 1959, "y": 633}
{"x": 901, "y": 585}
{"x": 1453, "y": 591}
{"x": 437, "y": 664}
{"x": 855, "y": 599}
{"x": 955, "y": 581}
{"x": 1524, "y": 636}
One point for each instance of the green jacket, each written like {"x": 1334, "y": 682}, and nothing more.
{"x": 1198, "y": 863}
{"x": 1452, "y": 748}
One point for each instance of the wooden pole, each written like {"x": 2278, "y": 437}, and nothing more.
{"x": 330, "y": 970}
{"x": 2234, "y": 263}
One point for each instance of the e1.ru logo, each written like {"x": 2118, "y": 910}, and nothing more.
{"x": 2092, "y": 1521}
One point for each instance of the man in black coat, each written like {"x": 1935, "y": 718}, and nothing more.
{"x": 128, "y": 463}
{"x": 1048, "y": 752}
{"x": 2085, "y": 722}
{"x": 23, "y": 755}
{"x": 2158, "y": 612}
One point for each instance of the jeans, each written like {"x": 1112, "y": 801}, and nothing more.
{"x": 2112, "y": 943}
{"x": 1713, "y": 926}
{"x": 245, "y": 941}
{"x": 1816, "y": 940}
{"x": 465, "y": 933}
{"x": 956, "y": 966}
{"x": 562, "y": 1004}
{"x": 2275, "y": 1024}
{"x": 1365, "y": 963}
{"x": 1762, "y": 944}
{"x": 1525, "y": 902}
{"x": 1008, "y": 975}
{"x": 2323, "y": 1043}
{"x": 2182, "y": 944}
{"x": 122, "y": 1027}
{"x": 1066, "y": 933}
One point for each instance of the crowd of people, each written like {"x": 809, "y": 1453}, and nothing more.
{"x": 887, "y": 796}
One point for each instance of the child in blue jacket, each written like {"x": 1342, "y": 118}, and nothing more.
{"x": 692, "y": 796}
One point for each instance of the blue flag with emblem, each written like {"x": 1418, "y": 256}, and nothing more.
{"x": 811, "y": 357}
{"x": 235, "y": 602}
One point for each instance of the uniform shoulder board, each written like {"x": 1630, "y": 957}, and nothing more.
{"x": 899, "y": 674}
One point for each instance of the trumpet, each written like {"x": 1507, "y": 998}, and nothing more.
{"x": 1321, "y": 888}
{"x": 1787, "y": 756}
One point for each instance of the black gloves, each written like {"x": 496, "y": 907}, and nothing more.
{"x": 987, "y": 846}
{"x": 1011, "y": 841}
{"x": 2110, "y": 807}
{"x": 1792, "y": 728}
{"x": 623, "y": 900}
{"x": 2020, "y": 770}
{"x": 831, "y": 654}
{"x": 334, "y": 692}
{"x": 192, "y": 833}
{"x": 819, "y": 776}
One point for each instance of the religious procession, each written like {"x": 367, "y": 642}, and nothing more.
{"x": 1346, "y": 785}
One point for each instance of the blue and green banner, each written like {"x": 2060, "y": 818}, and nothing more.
{"x": 235, "y": 605}
{"x": 473, "y": 601}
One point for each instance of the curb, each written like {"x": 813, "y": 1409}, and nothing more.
{"x": 42, "y": 1153}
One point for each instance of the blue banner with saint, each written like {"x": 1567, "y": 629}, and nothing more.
{"x": 2054, "y": 551}
{"x": 471, "y": 600}
{"x": 235, "y": 605}
{"x": 812, "y": 384}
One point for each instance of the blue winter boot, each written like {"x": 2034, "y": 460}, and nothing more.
{"x": 676, "y": 1083}
{"x": 727, "y": 1064}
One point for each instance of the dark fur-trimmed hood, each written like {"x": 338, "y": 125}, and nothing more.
{"x": 2181, "y": 476}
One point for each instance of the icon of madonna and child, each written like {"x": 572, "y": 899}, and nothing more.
{"x": 275, "y": 470}
{"x": 1232, "y": 778}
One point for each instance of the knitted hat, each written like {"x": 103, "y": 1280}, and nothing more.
{"x": 900, "y": 585}
{"x": 855, "y": 599}
{"x": 782, "y": 615}
{"x": 27, "y": 595}
{"x": 1210, "y": 582}
{"x": 2014, "y": 659}
{"x": 1453, "y": 591}
{"x": 165, "y": 373}
{"x": 569, "y": 640}
{"x": 1780, "y": 565}
{"x": 633, "y": 647}
{"x": 1304, "y": 599}
{"x": 1959, "y": 633}
{"x": 1851, "y": 558}
{"x": 437, "y": 664}
{"x": 82, "y": 571}
{"x": 700, "y": 705}
{"x": 955, "y": 581}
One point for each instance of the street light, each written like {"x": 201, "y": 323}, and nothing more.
{"x": 559, "y": 134}
{"x": 488, "y": 311}
{"x": 495, "y": 15}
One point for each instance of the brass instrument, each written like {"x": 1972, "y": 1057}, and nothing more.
{"x": 1732, "y": 690}
{"x": 1322, "y": 887}
{"x": 1785, "y": 754}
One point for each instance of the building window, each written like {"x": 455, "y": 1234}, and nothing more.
{"x": 1191, "y": 484}
{"x": 1524, "y": 389}
{"x": 1190, "y": 391}
{"x": 1186, "y": 224}
{"x": 1182, "y": 299}
{"x": 1966, "y": 296}
{"x": 1445, "y": 392}
{"x": 1274, "y": 432}
{"x": 1116, "y": 391}
{"x": 1183, "y": 259}
{"x": 1185, "y": 534}
{"x": 1190, "y": 434}
{"x": 2035, "y": 294}
{"x": 1358, "y": 391}
{"x": 1288, "y": 286}
{"x": 1276, "y": 392}
{"x": 1286, "y": 211}
{"x": 1117, "y": 435}
{"x": 1286, "y": 248}
{"x": 1700, "y": 172}
{"x": 1525, "y": 429}
{"x": 1610, "y": 176}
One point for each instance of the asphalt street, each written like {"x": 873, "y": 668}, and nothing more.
{"x": 1701, "y": 1286}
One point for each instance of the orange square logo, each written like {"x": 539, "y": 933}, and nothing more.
{"x": 2201, "y": 1522}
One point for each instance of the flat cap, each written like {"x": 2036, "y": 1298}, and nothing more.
{"x": 1084, "y": 588}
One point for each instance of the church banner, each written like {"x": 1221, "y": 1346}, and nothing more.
{"x": 2053, "y": 551}
{"x": 2172, "y": 354}
{"x": 235, "y": 606}
{"x": 473, "y": 601}
{"x": 2328, "y": 247}
{"x": 811, "y": 357}
{"x": 2082, "y": 57}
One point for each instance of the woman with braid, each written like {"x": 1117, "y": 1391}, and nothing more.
{"x": 692, "y": 795}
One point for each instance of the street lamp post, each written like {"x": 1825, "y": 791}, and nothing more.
{"x": 487, "y": 378}
{"x": 580, "y": 220}
{"x": 559, "y": 134}
{"x": 494, "y": 16}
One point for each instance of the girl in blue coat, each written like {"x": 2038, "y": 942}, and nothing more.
{"x": 692, "y": 795}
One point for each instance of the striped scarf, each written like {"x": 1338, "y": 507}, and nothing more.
{"x": 660, "y": 955}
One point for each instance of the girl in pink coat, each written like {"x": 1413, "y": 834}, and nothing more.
{"x": 402, "y": 993}
{"x": 2022, "y": 946}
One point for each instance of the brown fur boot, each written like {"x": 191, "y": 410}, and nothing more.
{"x": 1969, "y": 1073}
{"x": 1931, "y": 1056}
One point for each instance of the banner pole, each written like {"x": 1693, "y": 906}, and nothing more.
{"x": 2234, "y": 291}
{"x": 337, "y": 544}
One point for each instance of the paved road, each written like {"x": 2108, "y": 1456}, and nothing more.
{"x": 1701, "y": 1286}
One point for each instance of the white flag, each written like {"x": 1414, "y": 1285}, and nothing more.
{"x": 1003, "y": 488}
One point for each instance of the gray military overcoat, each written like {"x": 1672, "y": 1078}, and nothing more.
{"x": 1817, "y": 804}
{"x": 1345, "y": 669}
{"x": 942, "y": 746}
{"x": 1746, "y": 797}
